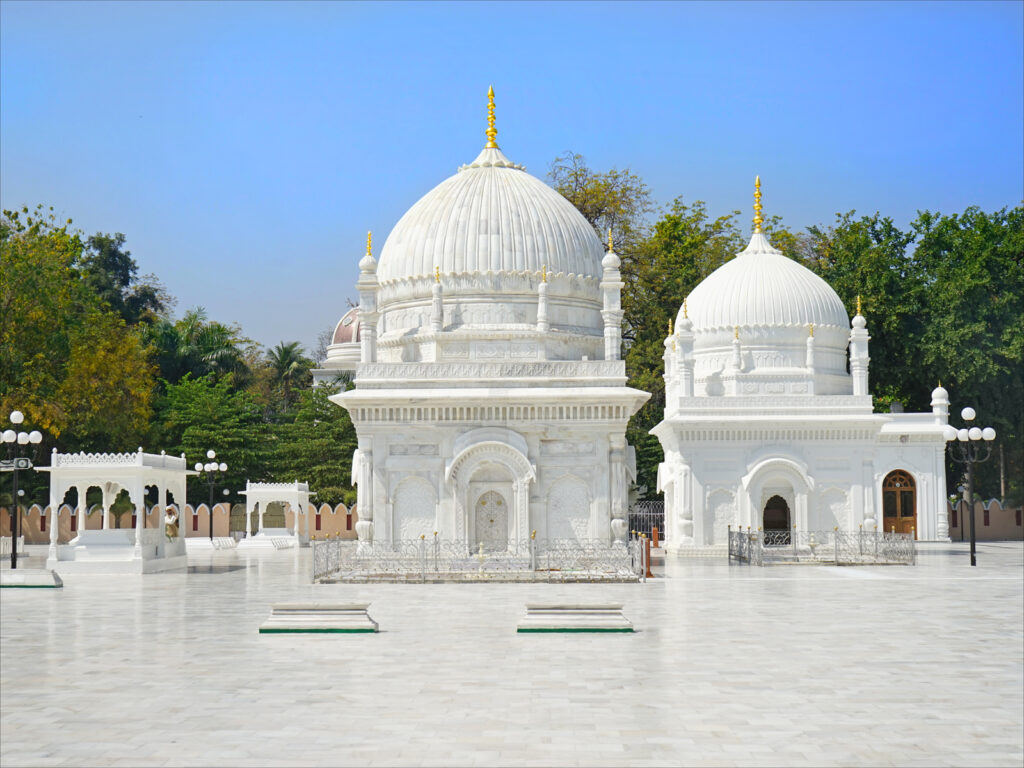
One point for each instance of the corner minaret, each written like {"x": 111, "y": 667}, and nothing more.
{"x": 367, "y": 286}
{"x": 859, "y": 352}
{"x": 611, "y": 290}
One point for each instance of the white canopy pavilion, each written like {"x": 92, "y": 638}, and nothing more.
{"x": 258, "y": 496}
{"x": 108, "y": 550}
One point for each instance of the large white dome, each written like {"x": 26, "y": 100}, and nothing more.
{"x": 762, "y": 287}
{"x": 491, "y": 216}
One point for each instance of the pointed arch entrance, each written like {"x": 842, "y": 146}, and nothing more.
{"x": 899, "y": 502}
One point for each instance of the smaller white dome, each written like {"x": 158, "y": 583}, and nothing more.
{"x": 762, "y": 287}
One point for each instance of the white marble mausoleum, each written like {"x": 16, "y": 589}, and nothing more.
{"x": 769, "y": 420}
{"x": 490, "y": 399}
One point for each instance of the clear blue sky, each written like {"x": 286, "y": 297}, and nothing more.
{"x": 245, "y": 148}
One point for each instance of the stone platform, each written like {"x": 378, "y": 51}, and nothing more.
{"x": 318, "y": 618}
{"x": 30, "y": 578}
{"x": 560, "y": 617}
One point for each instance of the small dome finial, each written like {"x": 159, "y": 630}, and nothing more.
{"x": 858, "y": 306}
{"x": 369, "y": 243}
{"x": 758, "y": 221}
{"x": 544, "y": 273}
{"x": 812, "y": 331}
{"x": 686, "y": 314}
{"x": 736, "y": 332}
{"x": 492, "y": 132}
{"x": 437, "y": 274}
{"x": 610, "y": 248}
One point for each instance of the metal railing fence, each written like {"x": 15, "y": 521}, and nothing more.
{"x": 645, "y": 516}
{"x": 757, "y": 547}
{"x": 440, "y": 560}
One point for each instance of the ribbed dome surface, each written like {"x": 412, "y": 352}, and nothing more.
{"x": 762, "y": 287}
{"x": 491, "y": 216}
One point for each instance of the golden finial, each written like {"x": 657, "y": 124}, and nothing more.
{"x": 437, "y": 274}
{"x": 736, "y": 332}
{"x": 544, "y": 273}
{"x": 610, "y": 248}
{"x": 670, "y": 326}
{"x": 685, "y": 313}
{"x": 812, "y": 330}
{"x": 758, "y": 221}
{"x": 492, "y": 132}
{"x": 369, "y": 243}
{"x": 858, "y": 305}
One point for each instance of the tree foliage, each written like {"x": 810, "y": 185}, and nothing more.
{"x": 111, "y": 272}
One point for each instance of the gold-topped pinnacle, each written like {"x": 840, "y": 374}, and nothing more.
{"x": 858, "y": 305}
{"x": 758, "y": 221}
{"x": 610, "y": 247}
{"x": 492, "y": 132}
{"x": 670, "y": 326}
{"x": 544, "y": 273}
{"x": 812, "y": 331}
{"x": 736, "y": 332}
{"x": 686, "y": 314}
{"x": 369, "y": 243}
{"x": 437, "y": 274}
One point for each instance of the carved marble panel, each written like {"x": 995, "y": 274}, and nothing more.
{"x": 721, "y": 513}
{"x": 569, "y": 509}
{"x": 415, "y": 509}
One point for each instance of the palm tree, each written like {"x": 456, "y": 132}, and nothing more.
{"x": 289, "y": 365}
{"x": 196, "y": 345}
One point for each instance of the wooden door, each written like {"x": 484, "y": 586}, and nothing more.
{"x": 899, "y": 503}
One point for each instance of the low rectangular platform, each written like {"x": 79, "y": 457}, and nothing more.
{"x": 563, "y": 617}
{"x": 30, "y": 578}
{"x": 318, "y": 618}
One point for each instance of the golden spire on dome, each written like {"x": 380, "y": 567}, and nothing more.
{"x": 610, "y": 248}
{"x": 812, "y": 331}
{"x": 437, "y": 274}
{"x": 492, "y": 132}
{"x": 686, "y": 314}
{"x": 369, "y": 243}
{"x": 858, "y": 305}
{"x": 670, "y": 326}
{"x": 736, "y": 332}
{"x": 544, "y": 273}
{"x": 758, "y": 221}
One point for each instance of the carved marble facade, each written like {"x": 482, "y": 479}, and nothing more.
{"x": 761, "y": 412}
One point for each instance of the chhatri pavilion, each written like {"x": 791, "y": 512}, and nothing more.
{"x": 490, "y": 400}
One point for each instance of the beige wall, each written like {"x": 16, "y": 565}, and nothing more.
{"x": 1002, "y": 523}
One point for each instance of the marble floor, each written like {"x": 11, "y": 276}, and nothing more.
{"x": 730, "y": 665}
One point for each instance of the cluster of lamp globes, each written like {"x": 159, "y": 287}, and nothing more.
{"x": 21, "y": 438}
{"x": 211, "y": 466}
{"x": 965, "y": 435}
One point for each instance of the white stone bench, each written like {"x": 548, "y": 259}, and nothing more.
{"x": 569, "y": 617}
{"x": 314, "y": 618}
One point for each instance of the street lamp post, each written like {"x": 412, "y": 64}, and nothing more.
{"x": 972, "y": 446}
{"x": 212, "y": 468}
{"x": 13, "y": 463}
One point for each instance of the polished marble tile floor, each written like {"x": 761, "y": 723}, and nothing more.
{"x": 730, "y": 665}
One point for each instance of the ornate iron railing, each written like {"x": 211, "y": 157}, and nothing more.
{"x": 441, "y": 560}
{"x": 756, "y": 547}
{"x": 645, "y": 516}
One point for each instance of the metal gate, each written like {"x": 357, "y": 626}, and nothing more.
{"x": 644, "y": 516}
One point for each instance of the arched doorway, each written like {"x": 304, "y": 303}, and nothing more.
{"x": 776, "y": 521}
{"x": 491, "y": 521}
{"x": 899, "y": 503}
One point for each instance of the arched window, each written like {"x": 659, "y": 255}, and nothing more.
{"x": 899, "y": 502}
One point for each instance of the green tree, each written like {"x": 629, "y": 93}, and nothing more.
{"x": 109, "y": 270}
{"x": 198, "y": 346}
{"x": 72, "y": 365}
{"x": 316, "y": 446}
{"x": 290, "y": 367}
{"x": 616, "y": 200}
{"x": 198, "y": 415}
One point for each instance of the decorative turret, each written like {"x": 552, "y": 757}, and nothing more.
{"x": 940, "y": 405}
{"x": 611, "y": 291}
{"x": 684, "y": 345}
{"x": 437, "y": 304}
{"x": 859, "y": 358}
{"x": 367, "y": 286}
{"x": 542, "y": 301}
